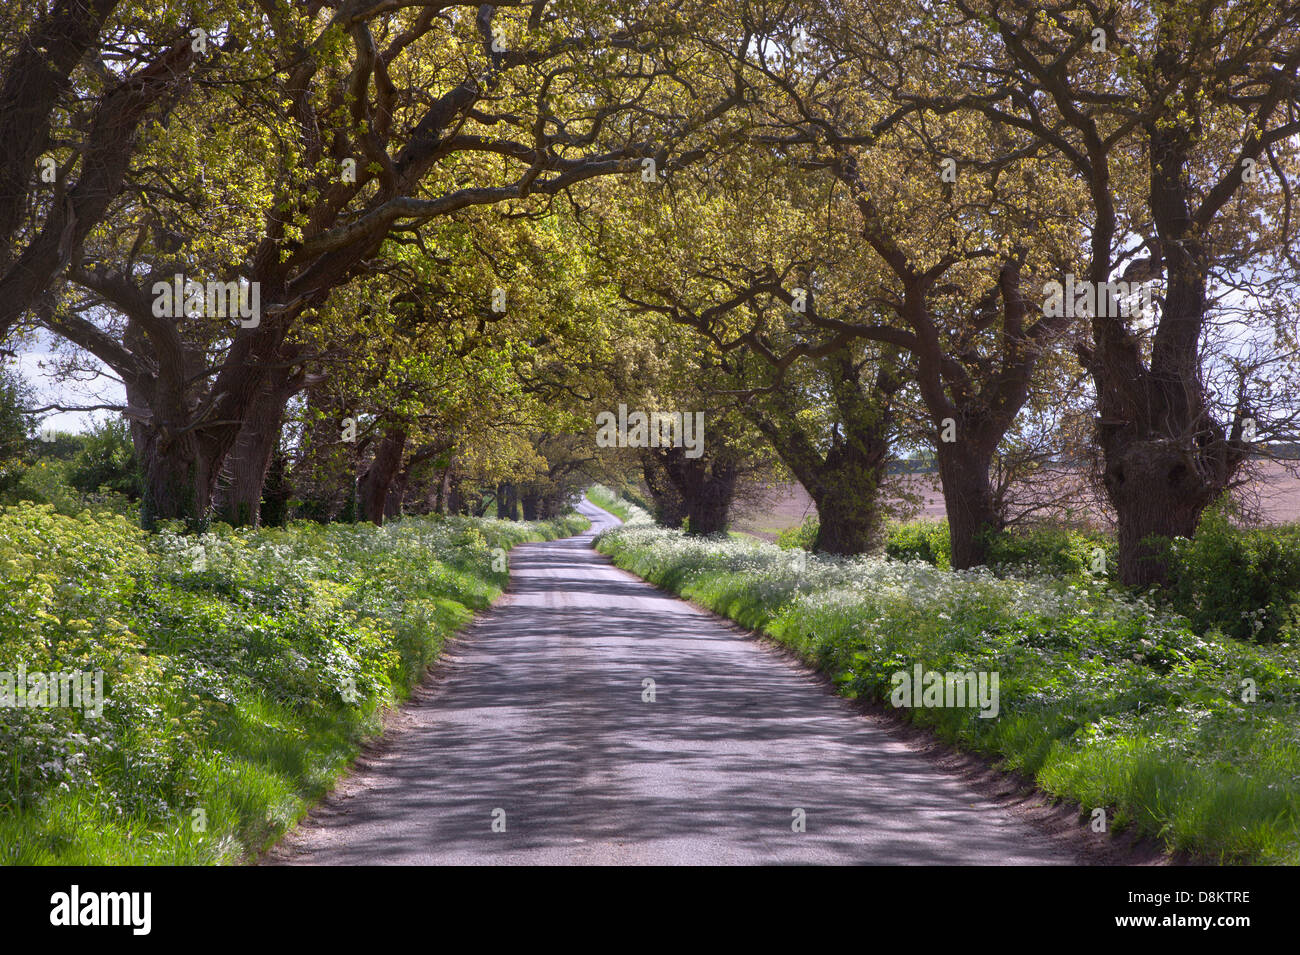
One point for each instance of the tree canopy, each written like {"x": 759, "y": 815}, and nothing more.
{"x": 357, "y": 258}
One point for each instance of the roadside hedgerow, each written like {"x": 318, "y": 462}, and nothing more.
{"x": 1245, "y": 582}
{"x": 240, "y": 670}
{"x": 1189, "y": 736}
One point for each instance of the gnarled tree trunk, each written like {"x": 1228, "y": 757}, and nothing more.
{"x": 244, "y": 471}
{"x": 1166, "y": 458}
{"x": 373, "y": 489}
{"x": 176, "y": 480}
{"x": 843, "y": 480}
{"x": 705, "y": 487}
{"x": 669, "y": 508}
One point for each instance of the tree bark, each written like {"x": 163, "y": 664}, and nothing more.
{"x": 973, "y": 514}
{"x": 1166, "y": 458}
{"x": 457, "y": 501}
{"x": 277, "y": 492}
{"x": 850, "y": 520}
{"x": 669, "y": 508}
{"x": 1157, "y": 494}
{"x": 378, "y": 480}
{"x": 106, "y": 156}
{"x": 705, "y": 488}
{"x": 442, "y": 503}
{"x": 981, "y": 408}
{"x": 176, "y": 480}
{"x": 37, "y": 74}
{"x": 396, "y": 494}
{"x": 531, "y": 501}
{"x": 507, "y": 501}
{"x": 843, "y": 480}
{"x": 244, "y": 471}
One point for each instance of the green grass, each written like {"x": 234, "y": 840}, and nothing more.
{"x": 229, "y": 663}
{"x": 611, "y": 501}
{"x": 1104, "y": 700}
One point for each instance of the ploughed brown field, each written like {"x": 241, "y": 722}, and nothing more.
{"x": 1274, "y": 495}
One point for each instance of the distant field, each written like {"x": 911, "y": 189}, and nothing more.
{"x": 1275, "y": 494}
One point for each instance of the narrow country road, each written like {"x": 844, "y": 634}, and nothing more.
{"x": 539, "y": 712}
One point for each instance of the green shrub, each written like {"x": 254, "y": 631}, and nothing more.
{"x": 107, "y": 460}
{"x": 920, "y": 540}
{"x": 804, "y": 536}
{"x": 45, "y": 481}
{"x": 1034, "y": 550}
{"x": 1053, "y": 550}
{"x": 241, "y": 670}
{"x": 1245, "y": 583}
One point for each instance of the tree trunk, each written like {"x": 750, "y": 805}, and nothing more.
{"x": 849, "y": 521}
{"x": 176, "y": 481}
{"x": 397, "y": 494}
{"x": 441, "y": 502}
{"x": 705, "y": 488}
{"x": 973, "y": 515}
{"x": 277, "y": 492}
{"x": 1157, "y": 492}
{"x": 243, "y": 474}
{"x": 531, "y": 501}
{"x": 507, "y": 502}
{"x": 27, "y": 100}
{"x": 457, "y": 503}
{"x": 846, "y": 489}
{"x": 378, "y": 479}
{"x": 1166, "y": 458}
{"x": 844, "y": 480}
{"x": 669, "y": 508}
{"x": 174, "y": 447}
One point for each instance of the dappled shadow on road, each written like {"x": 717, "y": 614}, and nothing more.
{"x": 546, "y": 716}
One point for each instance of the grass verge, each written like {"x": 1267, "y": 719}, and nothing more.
{"x": 241, "y": 671}
{"x": 1193, "y": 739}
{"x": 610, "y": 500}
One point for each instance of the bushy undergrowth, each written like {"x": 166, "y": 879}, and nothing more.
{"x": 1191, "y": 737}
{"x": 1245, "y": 582}
{"x": 96, "y": 470}
{"x": 802, "y": 535}
{"x": 1057, "y": 551}
{"x": 920, "y": 540}
{"x": 241, "y": 670}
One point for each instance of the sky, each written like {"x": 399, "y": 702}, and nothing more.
{"x": 35, "y": 361}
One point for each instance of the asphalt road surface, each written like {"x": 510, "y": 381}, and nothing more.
{"x": 535, "y": 745}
